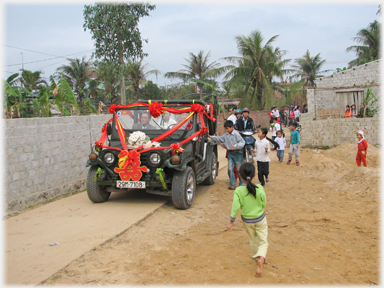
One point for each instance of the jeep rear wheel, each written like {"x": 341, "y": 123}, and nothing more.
{"x": 95, "y": 193}
{"x": 212, "y": 177}
{"x": 183, "y": 188}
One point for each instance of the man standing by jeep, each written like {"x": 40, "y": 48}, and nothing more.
{"x": 245, "y": 122}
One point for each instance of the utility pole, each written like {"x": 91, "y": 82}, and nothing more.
{"x": 22, "y": 62}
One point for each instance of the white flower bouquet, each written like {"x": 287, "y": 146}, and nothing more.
{"x": 138, "y": 138}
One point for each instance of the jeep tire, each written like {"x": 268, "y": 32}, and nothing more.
{"x": 95, "y": 193}
{"x": 183, "y": 188}
{"x": 212, "y": 177}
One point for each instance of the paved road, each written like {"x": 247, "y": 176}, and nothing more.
{"x": 77, "y": 224}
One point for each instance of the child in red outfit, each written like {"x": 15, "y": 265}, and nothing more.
{"x": 362, "y": 147}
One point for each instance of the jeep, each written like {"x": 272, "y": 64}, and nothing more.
{"x": 172, "y": 166}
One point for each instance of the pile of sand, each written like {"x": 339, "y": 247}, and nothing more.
{"x": 337, "y": 167}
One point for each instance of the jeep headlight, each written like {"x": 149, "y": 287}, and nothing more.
{"x": 154, "y": 158}
{"x": 109, "y": 158}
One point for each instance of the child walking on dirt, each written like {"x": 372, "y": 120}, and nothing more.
{"x": 234, "y": 143}
{"x": 280, "y": 139}
{"x": 295, "y": 144}
{"x": 362, "y": 147}
{"x": 262, "y": 149}
{"x": 251, "y": 200}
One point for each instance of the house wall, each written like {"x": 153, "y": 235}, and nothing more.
{"x": 322, "y": 125}
{"x": 46, "y": 157}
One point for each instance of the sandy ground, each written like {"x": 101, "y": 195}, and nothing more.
{"x": 323, "y": 219}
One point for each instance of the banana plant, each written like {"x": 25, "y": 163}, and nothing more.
{"x": 15, "y": 98}
{"x": 64, "y": 97}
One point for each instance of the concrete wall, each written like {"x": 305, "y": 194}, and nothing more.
{"x": 322, "y": 125}
{"x": 46, "y": 157}
{"x": 334, "y": 132}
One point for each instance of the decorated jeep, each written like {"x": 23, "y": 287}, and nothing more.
{"x": 159, "y": 146}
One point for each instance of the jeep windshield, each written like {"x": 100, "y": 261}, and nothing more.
{"x": 138, "y": 119}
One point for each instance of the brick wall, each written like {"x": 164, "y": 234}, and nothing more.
{"x": 46, "y": 157}
{"x": 259, "y": 117}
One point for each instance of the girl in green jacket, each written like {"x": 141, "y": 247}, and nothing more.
{"x": 251, "y": 199}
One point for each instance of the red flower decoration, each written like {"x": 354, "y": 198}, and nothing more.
{"x": 204, "y": 130}
{"x": 112, "y": 108}
{"x": 155, "y": 109}
{"x": 175, "y": 146}
{"x": 197, "y": 108}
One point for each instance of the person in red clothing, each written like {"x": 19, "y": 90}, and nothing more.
{"x": 362, "y": 147}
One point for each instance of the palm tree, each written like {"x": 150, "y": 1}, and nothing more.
{"x": 76, "y": 73}
{"x": 137, "y": 75}
{"x": 369, "y": 50}
{"x": 255, "y": 68}
{"x": 308, "y": 68}
{"x": 31, "y": 80}
{"x": 198, "y": 68}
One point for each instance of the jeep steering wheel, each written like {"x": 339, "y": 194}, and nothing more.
{"x": 170, "y": 126}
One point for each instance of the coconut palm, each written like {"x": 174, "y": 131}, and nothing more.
{"x": 32, "y": 80}
{"x": 369, "y": 50}
{"x": 76, "y": 73}
{"x": 197, "y": 68}
{"x": 255, "y": 69}
{"x": 308, "y": 68}
{"x": 137, "y": 75}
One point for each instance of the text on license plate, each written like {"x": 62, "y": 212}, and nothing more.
{"x": 130, "y": 184}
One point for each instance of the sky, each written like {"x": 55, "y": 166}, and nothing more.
{"x": 174, "y": 30}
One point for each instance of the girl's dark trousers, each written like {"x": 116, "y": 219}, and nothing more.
{"x": 262, "y": 170}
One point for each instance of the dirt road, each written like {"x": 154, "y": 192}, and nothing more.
{"x": 76, "y": 224}
{"x": 323, "y": 219}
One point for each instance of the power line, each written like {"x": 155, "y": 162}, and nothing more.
{"x": 66, "y": 57}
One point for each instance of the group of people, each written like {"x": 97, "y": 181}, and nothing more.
{"x": 287, "y": 114}
{"x": 251, "y": 198}
{"x": 351, "y": 111}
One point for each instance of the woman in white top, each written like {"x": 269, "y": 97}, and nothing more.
{"x": 167, "y": 122}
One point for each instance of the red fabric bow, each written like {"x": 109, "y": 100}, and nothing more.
{"x": 175, "y": 146}
{"x": 204, "y": 130}
{"x": 127, "y": 158}
{"x": 155, "y": 109}
{"x": 197, "y": 108}
{"x": 112, "y": 108}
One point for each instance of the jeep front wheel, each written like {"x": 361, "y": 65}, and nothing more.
{"x": 183, "y": 188}
{"x": 95, "y": 193}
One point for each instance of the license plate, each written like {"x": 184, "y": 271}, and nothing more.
{"x": 130, "y": 184}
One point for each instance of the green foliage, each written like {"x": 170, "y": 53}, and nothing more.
{"x": 256, "y": 67}
{"x": 151, "y": 91}
{"x": 308, "y": 68}
{"x": 114, "y": 28}
{"x": 64, "y": 98}
{"x": 369, "y": 107}
{"x": 32, "y": 80}
{"x": 88, "y": 104}
{"x": 198, "y": 68}
{"x": 369, "y": 50}
{"x": 76, "y": 73}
